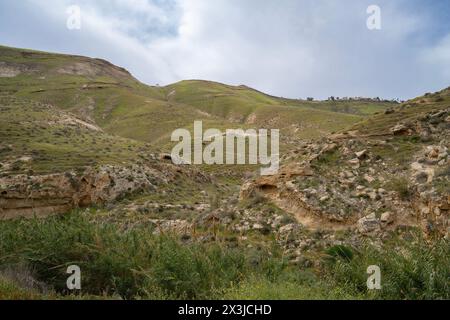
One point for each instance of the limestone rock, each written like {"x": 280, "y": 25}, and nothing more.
{"x": 368, "y": 224}
{"x": 387, "y": 218}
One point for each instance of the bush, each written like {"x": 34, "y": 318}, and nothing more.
{"x": 256, "y": 197}
{"x": 339, "y": 252}
{"x": 401, "y": 186}
{"x": 193, "y": 272}
{"x": 136, "y": 264}
{"x": 414, "y": 270}
{"x": 129, "y": 264}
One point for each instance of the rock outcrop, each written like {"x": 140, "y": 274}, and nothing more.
{"x": 26, "y": 196}
{"x": 369, "y": 183}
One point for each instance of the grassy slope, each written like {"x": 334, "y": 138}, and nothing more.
{"x": 123, "y": 106}
{"x": 54, "y": 141}
{"x": 411, "y": 110}
{"x": 245, "y": 105}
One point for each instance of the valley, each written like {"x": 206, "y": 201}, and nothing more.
{"x": 86, "y": 178}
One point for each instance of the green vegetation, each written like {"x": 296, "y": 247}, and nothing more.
{"x": 61, "y": 113}
{"x": 135, "y": 264}
{"x": 407, "y": 112}
{"x": 118, "y": 103}
{"x": 410, "y": 269}
{"x": 47, "y": 95}
{"x": 130, "y": 264}
{"x": 401, "y": 186}
{"x": 43, "y": 139}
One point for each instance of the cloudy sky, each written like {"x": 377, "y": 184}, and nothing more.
{"x": 291, "y": 48}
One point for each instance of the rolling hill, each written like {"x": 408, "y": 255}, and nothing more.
{"x": 83, "y": 145}
{"x": 101, "y": 93}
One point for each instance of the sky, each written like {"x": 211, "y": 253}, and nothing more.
{"x": 289, "y": 48}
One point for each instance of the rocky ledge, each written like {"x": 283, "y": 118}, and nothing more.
{"x": 25, "y": 196}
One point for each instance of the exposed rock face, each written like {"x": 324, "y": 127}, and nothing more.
{"x": 11, "y": 70}
{"x": 401, "y": 129}
{"x": 387, "y": 218}
{"x": 25, "y": 196}
{"x": 94, "y": 68}
{"x": 272, "y": 183}
{"x": 350, "y": 176}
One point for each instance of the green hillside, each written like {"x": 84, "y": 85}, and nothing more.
{"x": 110, "y": 97}
{"x": 37, "y": 138}
{"x": 82, "y": 149}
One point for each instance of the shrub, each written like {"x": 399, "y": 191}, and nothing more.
{"x": 128, "y": 264}
{"x": 339, "y": 252}
{"x": 413, "y": 270}
{"x": 401, "y": 186}
{"x": 255, "y": 198}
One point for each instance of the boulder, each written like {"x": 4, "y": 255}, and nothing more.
{"x": 400, "y": 129}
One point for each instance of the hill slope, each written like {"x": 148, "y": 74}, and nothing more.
{"x": 388, "y": 172}
{"x": 110, "y": 97}
{"x": 80, "y": 137}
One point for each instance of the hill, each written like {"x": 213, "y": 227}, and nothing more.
{"x": 83, "y": 148}
{"x": 389, "y": 171}
{"x": 110, "y": 97}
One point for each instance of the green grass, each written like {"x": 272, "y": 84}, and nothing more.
{"x": 129, "y": 264}
{"x": 135, "y": 264}
{"x": 303, "y": 287}
{"x": 123, "y": 106}
{"x": 401, "y": 186}
{"x": 40, "y": 132}
{"x": 11, "y": 291}
{"x": 411, "y": 270}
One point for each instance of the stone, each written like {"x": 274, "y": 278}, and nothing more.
{"x": 373, "y": 195}
{"x": 329, "y": 148}
{"x": 387, "y": 218}
{"x": 361, "y": 154}
{"x": 421, "y": 173}
{"x": 354, "y": 163}
{"x": 291, "y": 186}
{"x": 288, "y": 228}
{"x": 400, "y": 129}
{"x": 348, "y": 174}
{"x": 368, "y": 224}
{"x": 258, "y": 226}
{"x": 61, "y": 192}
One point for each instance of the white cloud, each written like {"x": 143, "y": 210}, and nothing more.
{"x": 438, "y": 57}
{"x": 291, "y": 48}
